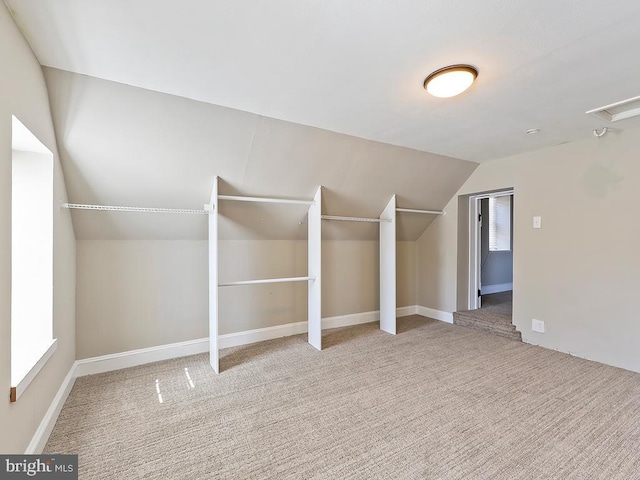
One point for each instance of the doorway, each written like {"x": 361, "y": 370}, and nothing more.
{"x": 491, "y": 250}
{"x": 485, "y": 261}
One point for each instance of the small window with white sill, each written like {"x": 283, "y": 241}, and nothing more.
{"x": 500, "y": 223}
{"x": 32, "y": 342}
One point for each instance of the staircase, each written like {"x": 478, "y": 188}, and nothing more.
{"x": 494, "y": 317}
{"x": 496, "y": 324}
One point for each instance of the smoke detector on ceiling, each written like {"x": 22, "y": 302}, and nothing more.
{"x": 619, "y": 110}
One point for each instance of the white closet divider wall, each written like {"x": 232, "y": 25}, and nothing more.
{"x": 388, "y": 267}
{"x": 213, "y": 278}
{"x": 314, "y": 220}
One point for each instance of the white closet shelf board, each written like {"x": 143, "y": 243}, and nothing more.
{"x": 419, "y": 211}
{"x": 238, "y": 198}
{"x": 351, "y": 219}
{"x": 267, "y": 280}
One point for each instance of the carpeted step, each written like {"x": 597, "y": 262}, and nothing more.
{"x": 482, "y": 323}
{"x": 489, "y": 318}
{"x": 471, "y": 320}
{"x": 493, "y": 328}
{"x": 513, "y": 335}
{"x": 496, "y": 326}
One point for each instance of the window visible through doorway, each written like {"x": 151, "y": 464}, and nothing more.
{"x": 500, "y": 223}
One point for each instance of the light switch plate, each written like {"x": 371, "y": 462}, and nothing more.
{"x": 537, "y": 222}
{"x": 537, "y": 325}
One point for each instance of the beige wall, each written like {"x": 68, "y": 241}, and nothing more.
{"x": 137, "y": 294}
{"x": 162, "y": 150}
{"x": 23, "y": 94}
{"x": 578, "y": 273}
{"x": 406, "y": 272}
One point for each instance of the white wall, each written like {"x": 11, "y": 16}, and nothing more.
{"x": 141, "y": 293}
{"x": 579, "y": 272}
{"x": 23, "y": 94}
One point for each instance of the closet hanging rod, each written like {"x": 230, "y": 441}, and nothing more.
{"x": 265, "y": 200}
{"x": 353, "y": 219}
{"x": 428, "y": 212}
{"x": 266, "y": 280}
{"x": 112, "y": 208}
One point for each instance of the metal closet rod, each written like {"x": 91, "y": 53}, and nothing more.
{"x": 353, "y": 219}
{"x": 237, "y": 198}
{"x": 113, "y": 208}
{"x": 267, "y": 280}
{"x": 428, "y": 212}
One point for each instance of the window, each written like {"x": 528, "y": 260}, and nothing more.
{"x": 500, "y": 223}
{"x": 32, "y": 340}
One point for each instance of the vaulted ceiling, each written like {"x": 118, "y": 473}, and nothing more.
{"x": 152, "y": 98}
{"x": 357, "y": 67}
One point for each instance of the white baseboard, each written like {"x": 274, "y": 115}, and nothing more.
{"x": 406, "y": 311}
{"x": 259, "y": 335}
{"x": 436, "y": 314}
{"x": 363, "y": 317}
{"x": 45, "y": 428}
{"x": 133, "y": 358}
{"x": 269, "y": 333}
{"x": 350, "y": 320}
{"x": 500, "y": 287}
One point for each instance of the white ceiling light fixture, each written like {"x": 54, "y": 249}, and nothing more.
{"x": 450, "y": 81}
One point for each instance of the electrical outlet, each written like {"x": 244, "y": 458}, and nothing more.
{"x": 537, "y": 325}
{"x": 537, "y": 222}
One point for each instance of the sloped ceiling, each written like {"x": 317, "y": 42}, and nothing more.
{"x": 357, "y": 67}
{"x": 152, "y": 98}
{"x": 128, "y": 146}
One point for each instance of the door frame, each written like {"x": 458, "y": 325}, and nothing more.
{"x": 475, "y": 244}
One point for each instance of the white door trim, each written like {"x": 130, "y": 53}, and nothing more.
{"x": 474, "y": 253}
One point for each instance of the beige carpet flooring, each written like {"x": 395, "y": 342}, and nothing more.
{"x": 496, "y": 307}
{"x": 499, "y": 302}
{"x": 437, "y": 401}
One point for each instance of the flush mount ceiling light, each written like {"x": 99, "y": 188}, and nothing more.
{"x": 450, "y": 81}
